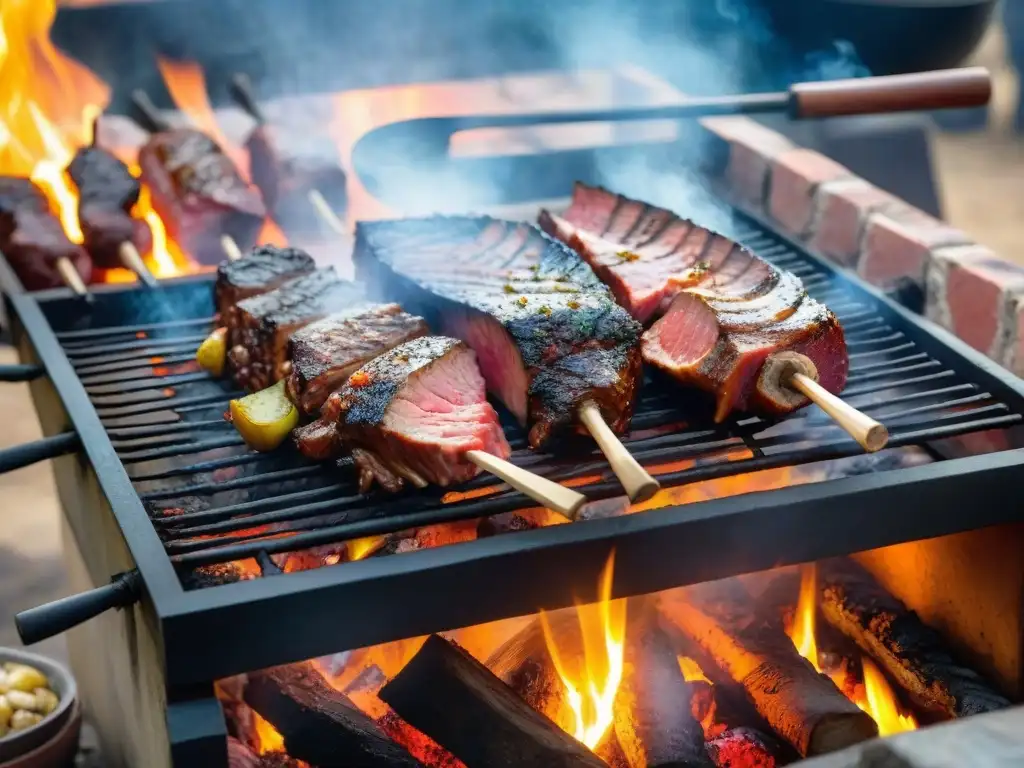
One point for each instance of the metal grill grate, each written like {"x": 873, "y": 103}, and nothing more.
{"x": 213, "y": 501}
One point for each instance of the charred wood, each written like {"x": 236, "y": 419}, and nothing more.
{"x": 744, "y": 748}
{"x": 240, "y": 756}
{"x": 318, "y": 723}
{"x": 458, "y": 702}
{"x": 911, "y": 652}
{"x": 803, "y": 707}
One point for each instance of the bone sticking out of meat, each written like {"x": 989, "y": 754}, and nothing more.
{"x": 298, "y": 171}
{"x": 259, "y": 351}
{"x": 458, "y": 702}
{"x": 419, "y": 414}
{"x": 107, "y": 192}
{"x": 320, "y": 724}
{"x": 196, "y": 188}
{"x": 731, "y": 323}
{"x": 803, "y": 707}
{"x": 33, "y": 240}
{"x": 547, "y": 332}
{"x": 325, "y": 353}
{"x": 914, "y": 654}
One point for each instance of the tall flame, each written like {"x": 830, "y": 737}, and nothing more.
{"x": 592, "y": 697}
{"x": 802, "y": 632}
{"x": 880, "y": 702}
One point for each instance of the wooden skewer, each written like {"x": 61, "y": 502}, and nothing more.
{"x": 72, "y": 279}
{"x": 872, "y": 435}
{"x": 132, "y": 259}
{"x": 227, "y": 242}
{"x": 638, "y": 483}
{"x": 565, "y": 501}
{"x": 323, "y": 208}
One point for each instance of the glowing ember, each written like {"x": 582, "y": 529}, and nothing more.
{"x": 592, "y": 694}
{"x": 360, "y": 548}
{"x": 691, "y": 670}
{"x": 269, "y": 739}
{"x": 880, "y": 702}
{"x": 802, "y": 633}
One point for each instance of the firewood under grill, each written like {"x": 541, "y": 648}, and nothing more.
{"x": 914, "y": 654}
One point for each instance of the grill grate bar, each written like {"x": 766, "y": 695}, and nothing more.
{"x": 90, "y": 334}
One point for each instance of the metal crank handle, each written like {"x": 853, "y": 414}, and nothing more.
{"x": 26, "y": 372}
{"x": 52, "y": 619}
{"x": 48, "y": 448}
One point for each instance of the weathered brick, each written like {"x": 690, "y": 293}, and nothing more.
{"x": 898, "y": 242}
{"x": 752, "y": 150}
{"x": 973, "y": 293}
{"x": 1012, "y": 354}
{"x": 841, "y": 212}
{"x": 795, "y": 178}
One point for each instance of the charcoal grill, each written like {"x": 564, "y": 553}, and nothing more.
{"x": 156, "y": 440}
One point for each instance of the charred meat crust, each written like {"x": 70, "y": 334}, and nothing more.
{"x": 539, "y": 291}
{"x": 265, "y": 268}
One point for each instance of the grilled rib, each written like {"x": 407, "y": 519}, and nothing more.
{"x": 325, "y": 353}
{"x": 411, "y": 414}
{"x": 32, "y": 238}
{"x": 547, "y": 333}
{"x": 725, "y": 312}
{"x": 199, "y": 193}
{"x": 259, "y": 352}
{"x": 107, "y": 192}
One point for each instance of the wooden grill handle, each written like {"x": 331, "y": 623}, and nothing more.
{"x": 920, "y": 91}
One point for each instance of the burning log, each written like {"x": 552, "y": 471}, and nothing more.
{"x": 318, "y": 723}
{"x": 803, "y": 707}
{"x": 240, "y": 756}
{"x": 910, "y": 651}
{"x": 457, "y": 701}
{"x": 743, "y": 748}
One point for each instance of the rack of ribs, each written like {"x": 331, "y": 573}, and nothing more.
{"x": 548, "y": 334}
{"x": 730, "y": 323}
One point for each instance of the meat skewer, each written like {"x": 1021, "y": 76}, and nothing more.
{"x": 205, "y": 203}
{"x": 107, "y": 192}
{"x": 553, "y": 345}
{"x": 34, "y": 243}
{"x": 727, "y": 321}
{"x": 300, "y": 176}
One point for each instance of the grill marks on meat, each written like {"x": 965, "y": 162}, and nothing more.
{"x": 32, "y": 238}
{"x": 411, "y": 414}
{"x": 287, "y": 166}
{"x": 324, "y": 354}
{"x": 266, "y": 322}
{"x": 264, "y": 269}
{"x": 107, "y": 192}
{"x": 199, "y": 193}
{"x": 546, "y": 331}
{"x": 726, "y": 311}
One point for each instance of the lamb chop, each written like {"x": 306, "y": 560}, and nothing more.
{"x": 107, "y": 192}
{"x": 196, "y": 188}
{"x": 553, "y": 345}
{"x": 298, "y": 172}
{"x": 33, "y": 240}
{"x": 731, "y": 323}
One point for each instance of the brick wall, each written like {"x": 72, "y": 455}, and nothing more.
{"x": 969, "y": 289}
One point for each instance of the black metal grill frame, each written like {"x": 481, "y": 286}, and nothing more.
{"x": 301, "y": 615}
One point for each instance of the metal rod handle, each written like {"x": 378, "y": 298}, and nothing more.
{"x": 52, "y": 619}
{"x": 26, "y": 372}
{"x": 48, "y": 448}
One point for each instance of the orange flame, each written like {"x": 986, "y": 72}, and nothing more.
{"x": 603, "y": 626}
{"x": 360, "y": 548}
{"x": 880, "y": 702}
{"x": 269, "y": 739}
{"x": 802, "y": 633}
{"x": 692, "y": 673}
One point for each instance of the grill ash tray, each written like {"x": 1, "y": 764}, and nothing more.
{"x": 199, "y": 509}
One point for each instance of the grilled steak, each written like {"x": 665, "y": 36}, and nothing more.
{"x": 726, "y": 311}
{"x": 199, "y": 193}
{"x": 107, "y": 192}
{"x": 411, "y": 414}
{"x": 262, "y": 270}
{"x": 325, "y": 353}
{"x": 32, "y": 238}
{"x": 259, "y": 352}
{"x": 547, "y": 333}
{"x": 288, "y": 166}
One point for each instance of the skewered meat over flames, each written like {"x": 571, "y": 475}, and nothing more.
{"x": 199, "y": 194}
{"x": 263, "y": 270}
{"x": 547, "y": 333}
{"x": 288, "y": 166}
{"x": 259, "y": 352}
{"x": 32, "y": 239}
{"x": 107, "y": 192}
{"x": 324, "y": 354}
{"x": 733, "y": 325}
{"x": 410, "y": 415}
